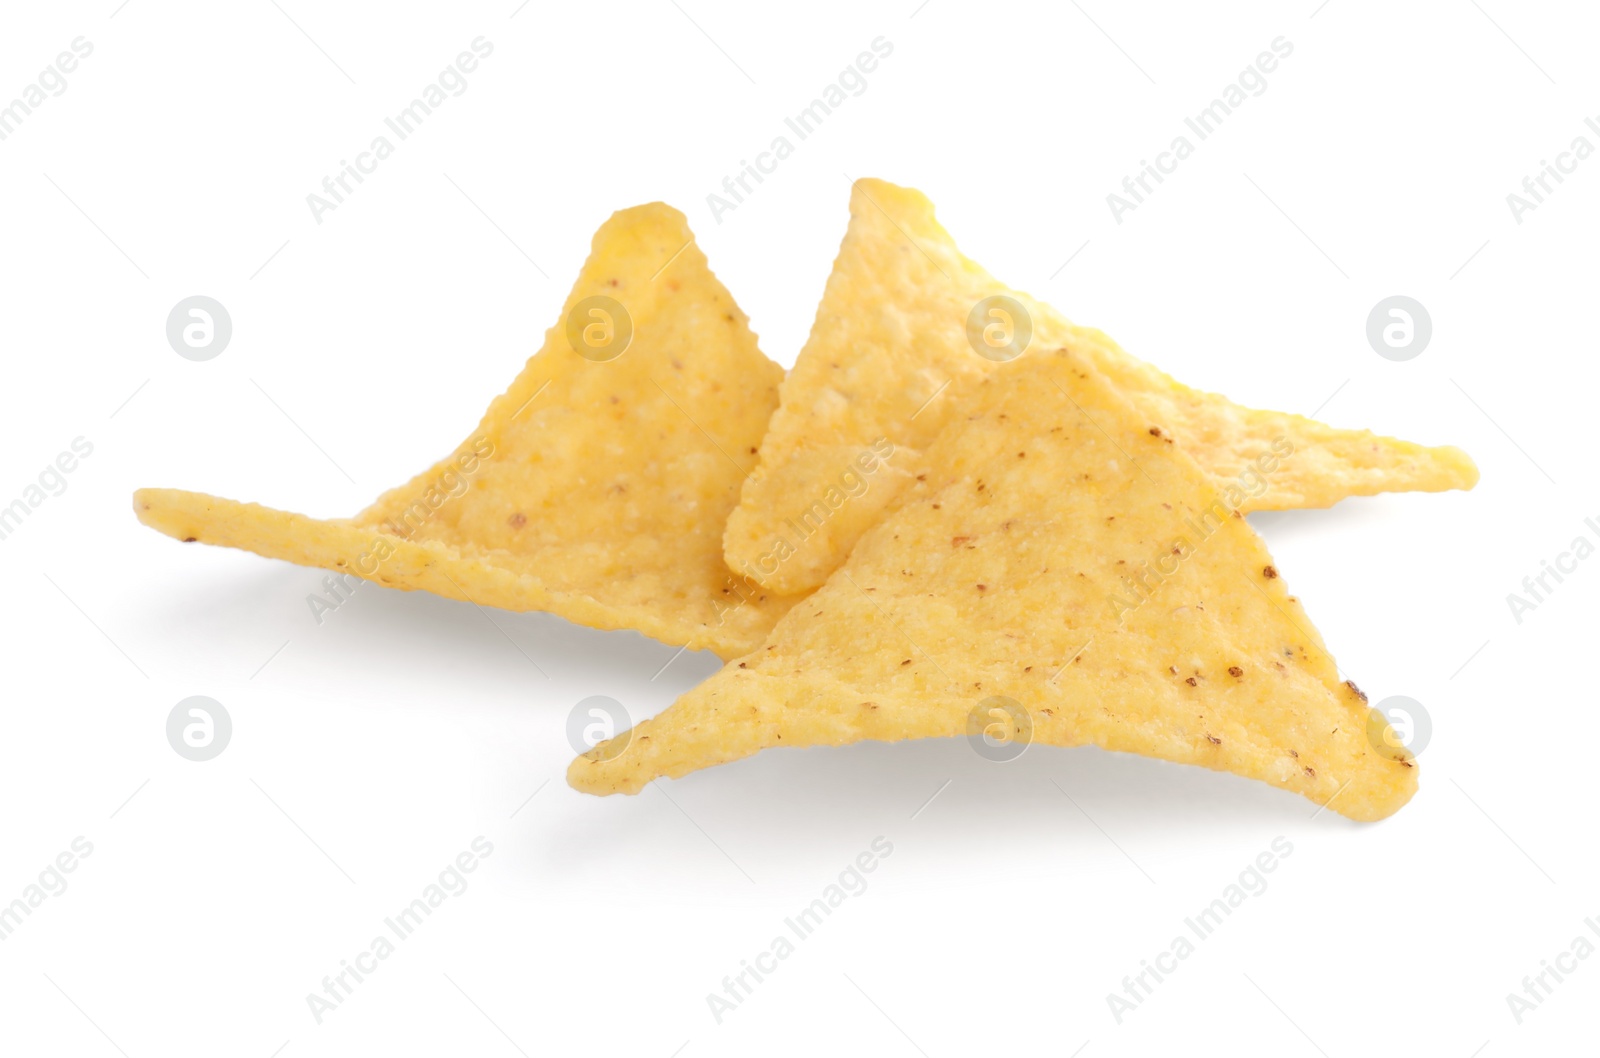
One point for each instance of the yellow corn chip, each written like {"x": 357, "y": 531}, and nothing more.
{"x": 596, "y": 487}
{"x": 1064, "y": 576}
{"x": 896, "y": 340}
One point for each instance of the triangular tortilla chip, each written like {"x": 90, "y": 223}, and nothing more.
{"x": 889, "y": 353}
{"x": 1061, "y": 569}
{"x": 594, "y": 488}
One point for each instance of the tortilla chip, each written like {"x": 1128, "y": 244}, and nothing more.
{"x": 595, "y": 488}
{"x": 1062, "y": 571}
{"x": 893, "y": 346}
{"x": 1329, "y": 463}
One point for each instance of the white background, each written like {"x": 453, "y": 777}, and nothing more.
{"x": 370, "y": 750}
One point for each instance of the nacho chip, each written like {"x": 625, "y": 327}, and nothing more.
{"x": 1062, "y": 573}
{"x": 896, "y": 340}
{"x": 595, "y": 488}
{"x": 1226, "y": 439}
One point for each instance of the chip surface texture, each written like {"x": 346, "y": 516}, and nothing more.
{"x": 596, "y": 487}
{"x": 1063, "y": 557}
{"x": 896, "y": 342}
